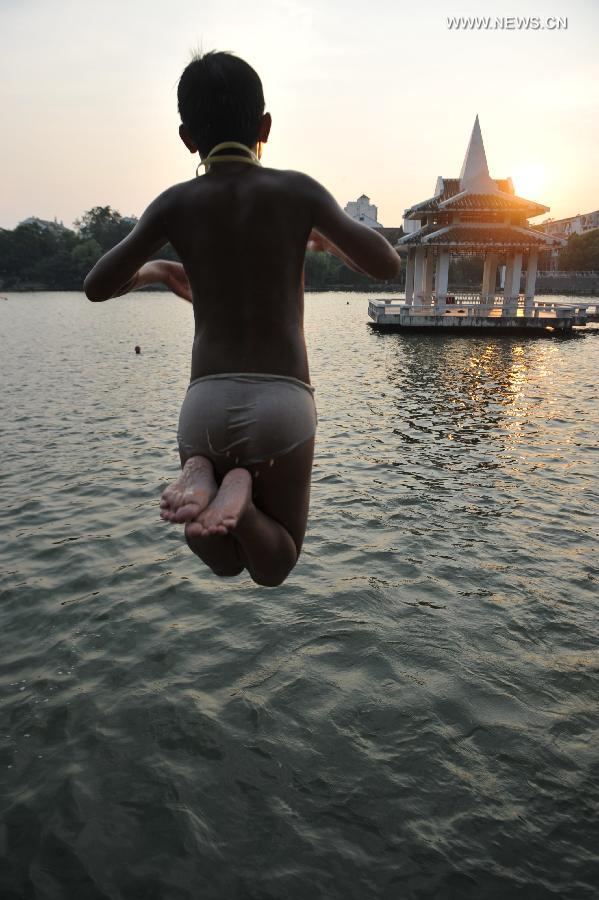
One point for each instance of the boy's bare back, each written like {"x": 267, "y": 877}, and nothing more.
{"x": 241, "y": 233}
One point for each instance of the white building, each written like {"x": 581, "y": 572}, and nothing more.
{"x": 578, "y": 224}
{"x": 45, "y": 224}
{"x": 362, "y": 210}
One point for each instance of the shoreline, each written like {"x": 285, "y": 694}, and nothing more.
{"x": 376, "y": 287}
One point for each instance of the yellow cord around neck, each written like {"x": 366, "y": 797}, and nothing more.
{"x": 252, "y": 159}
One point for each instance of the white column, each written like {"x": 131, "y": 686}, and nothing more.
{"x": 429, "y": 264}
{"x": 531, "y": 278}
{"x": 507, "y": 278}
{"x": 512, "y": 280}
{"x": 489, "y": 276}
{"x": 418, "y": 275}
{"x": 516, "y": 273}
{"x": 442, "y": 278}
{"x": 410, "y": 277}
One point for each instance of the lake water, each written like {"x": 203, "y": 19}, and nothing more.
{"x": 413, "y": 714}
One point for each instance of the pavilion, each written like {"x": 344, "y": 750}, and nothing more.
{"x": 473, "y": 215}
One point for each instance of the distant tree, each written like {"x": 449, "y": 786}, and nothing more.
{"x": 35, "y": 256}
{"x": 107, "y": 228}
{"x": 84, "y": 256}
{"x": 6, "y": 251}
{"x": 28, "y": 249}
{"x": 581, "y": 253}
{"x": 318, "y": 269}
{"x": 27, "y": 244}
{"x": 86, "y": 253}
{"x": 104, "y": 225}
{"x": 323, "y": 271}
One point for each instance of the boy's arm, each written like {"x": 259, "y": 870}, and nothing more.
{"x": 121, "y": 269}
{"x": 160, "y": 271}
{"x": 319, "y": 244}
{"x": 359, "y": 246}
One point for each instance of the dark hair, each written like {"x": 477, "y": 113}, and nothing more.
{"x": 220, "y": 99}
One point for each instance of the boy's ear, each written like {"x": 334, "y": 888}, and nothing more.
{"x": 187, "y": 139}
{"x": 265, "y": 126}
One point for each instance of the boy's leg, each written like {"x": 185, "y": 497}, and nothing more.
{"x": 220, "y": 552}
{"x": 189, "y": 495}
{"x": 269, "y": 526}
{"x": 281, "y": 504}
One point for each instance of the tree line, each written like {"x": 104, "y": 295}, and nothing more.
{"x": 581, "y": 253}
{"x": 47, "y": 256}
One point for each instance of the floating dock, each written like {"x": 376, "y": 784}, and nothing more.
{"x": 472, "y": 315}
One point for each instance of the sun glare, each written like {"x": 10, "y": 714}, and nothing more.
{"x": 530, "y": 180}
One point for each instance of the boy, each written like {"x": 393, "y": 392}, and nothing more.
{"x": 247, "y": 425}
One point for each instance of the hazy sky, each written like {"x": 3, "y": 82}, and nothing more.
{"x": 368, "y": 97}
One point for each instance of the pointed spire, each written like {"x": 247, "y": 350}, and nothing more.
{"x": 474, "y": 176}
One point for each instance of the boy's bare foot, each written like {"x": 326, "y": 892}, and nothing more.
{"x": 222, "y": 515}
{"x": 185, "y": 498}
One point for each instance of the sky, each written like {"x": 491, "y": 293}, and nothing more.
{"x": 371, "y": 97}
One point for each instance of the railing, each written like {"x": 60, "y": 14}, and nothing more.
{"x": 475, "y": 299}
{"x": 468, "y": 298}
{"x": 560, "y": 273}
{"x": 464, "y": 304}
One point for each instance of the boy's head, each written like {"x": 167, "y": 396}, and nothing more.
{"x": 220, "y": 99}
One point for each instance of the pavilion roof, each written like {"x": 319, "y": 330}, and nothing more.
{"x": 452, "y": 186}
{"x": 475, "y": 189}
{"x": 484, "y": 236}
{"x": 464, "y": 201}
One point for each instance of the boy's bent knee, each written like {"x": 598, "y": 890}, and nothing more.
{"x": 227, "y": 571}
{"x": 272, "y": 579}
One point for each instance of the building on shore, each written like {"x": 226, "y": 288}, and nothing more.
{"x": 362, "y": 210}
{"x": 45, "y": 224}
{"x": 578, "y": 224}
{"x": 563, "y": 228}
{"x": 473, "y": 216}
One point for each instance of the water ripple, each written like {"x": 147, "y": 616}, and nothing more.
{"x": 412, "y": 715}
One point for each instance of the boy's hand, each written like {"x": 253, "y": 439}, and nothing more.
{"x": 317, "y": 243}
{"x": 175, "y": 278}
{"x": 170, "y": 274}
{"x": 358, "y": 246}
